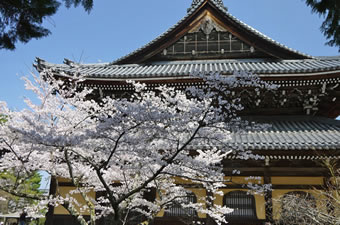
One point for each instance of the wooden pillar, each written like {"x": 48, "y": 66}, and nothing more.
{"x": 268, "y": 193}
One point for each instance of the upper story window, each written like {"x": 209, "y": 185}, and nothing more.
{"x": 208, "y": 40}
{"x": 217, "y": 42}
{"x": 176, "y": 209}
{"x": 243, "y": 204}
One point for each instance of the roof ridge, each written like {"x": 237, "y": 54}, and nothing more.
{"x": 219, "y": 4}
{"x": 69, "y": 63}
{"x": 293, "y": 118}
{"x": 336, "y": 57}
{"x": 157, "y": 38}
{"x": 246, "y": 26}
{"x": 175, "y": 69}
{"x": 195, "y": 4}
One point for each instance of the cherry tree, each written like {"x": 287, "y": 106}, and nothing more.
{"x": 127, "y": 147}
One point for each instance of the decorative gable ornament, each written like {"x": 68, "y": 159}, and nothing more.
{"x": 207, "y": 25}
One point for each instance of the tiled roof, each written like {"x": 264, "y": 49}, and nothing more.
{"x": 185, "y": 68}
{"x": 291, "y": 133}
{"x": 219, "y": 4}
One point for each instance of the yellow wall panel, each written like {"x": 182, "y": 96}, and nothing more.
{"x": 64, "y": 180}
{"x": 298, "y": 180}
{"x": 243, "y": 180}
{"x": 63, "y": 191}
{"x": 201, "y": 198}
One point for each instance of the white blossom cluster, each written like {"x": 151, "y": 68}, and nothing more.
{"x": 125, "y": 147}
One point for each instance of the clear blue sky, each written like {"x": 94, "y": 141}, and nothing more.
{"x": 115, "y": 28}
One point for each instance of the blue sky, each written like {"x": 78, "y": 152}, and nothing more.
{"x": 115, "y": 28}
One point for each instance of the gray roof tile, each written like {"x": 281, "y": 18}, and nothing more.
{"x": 292, "y": 133}
{"x": 185, "y": 68}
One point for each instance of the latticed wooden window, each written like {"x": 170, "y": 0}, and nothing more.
{"x": 243, "y": 204}
{"x": 176, "y": 209}
{"x": 215, "y": 43}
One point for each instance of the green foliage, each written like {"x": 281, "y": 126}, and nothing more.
{"x": 331, "y": 26}
{"x": 21, "y": 20}
{"x": 3, "y": 119}
{"x": 21, "y": 188}
{"x": 40, "y": 221}
{"x": 17, "y": 182}
{"x": 24, "y": 184}
{"x": 87, "y": 4}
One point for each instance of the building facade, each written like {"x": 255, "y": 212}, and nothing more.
{"x": 301, "y": 112}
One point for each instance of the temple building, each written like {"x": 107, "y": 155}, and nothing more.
{"x": 301, "y": 112}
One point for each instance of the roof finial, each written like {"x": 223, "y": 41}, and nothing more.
{"x": 218, "y": 3}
